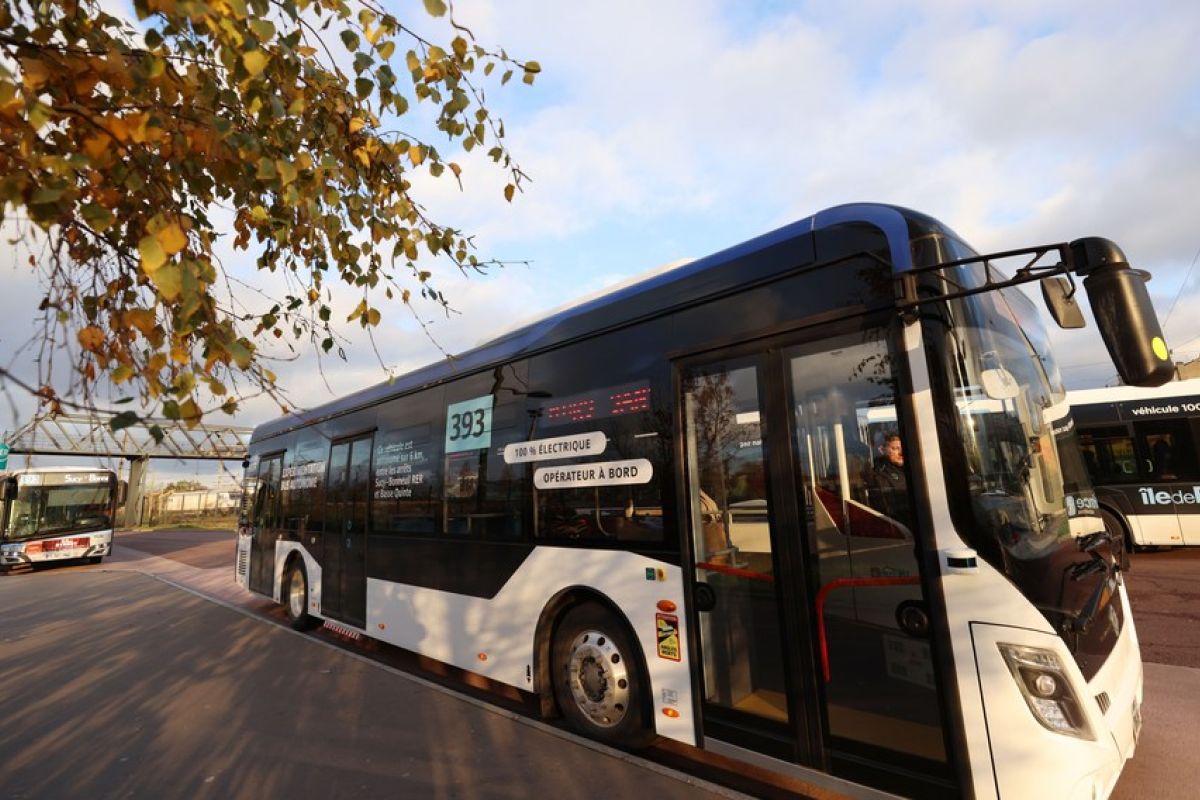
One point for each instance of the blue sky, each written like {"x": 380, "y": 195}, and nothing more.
{"x": 660, "y": 131}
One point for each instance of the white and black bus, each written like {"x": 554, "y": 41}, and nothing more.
{"x": 667, "y": 511}
{"x": 54, "y": 515}
{"x": 1142, "y": 450}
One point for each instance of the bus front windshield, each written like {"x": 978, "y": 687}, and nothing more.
{"x": 1014, "y": 453}
{"x": 52, "y": 510}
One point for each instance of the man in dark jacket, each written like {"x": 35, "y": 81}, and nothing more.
{"x": 890, "y": 490}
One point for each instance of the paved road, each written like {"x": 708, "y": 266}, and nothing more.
{"x": 156, "y": 692}
{"x": 1164, "y": 588}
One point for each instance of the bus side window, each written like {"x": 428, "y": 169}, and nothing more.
{"x": 1168, "y": 448}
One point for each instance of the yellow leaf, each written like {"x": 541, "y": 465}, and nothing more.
{"x": 179, "y": 355}
{"x": 168, "y": 279}
{"x": 255, "y": 62}
{"x": 91, "y": 338}
{"x": 373, "y": 34}
{"x": 287, "y": 172}
{"x": 306, "y": 51}
{"x": 508, "y": 192}
{"x": 416, "y": 154}
{"x": 152, "y": 254}
{"x": 34, "y": 73}
{"x": 172, "y": 238}
{"x": 190, "y": 413}
{"x": 96, "y": 145}
{"x": 455, "y": 168}
{"x": 363, "y": 157}
{"x": 121, "y": 374}
{"x": 373, "y": 317}
{"x": 143, "y": 319}
{"x": 356, "y": 124}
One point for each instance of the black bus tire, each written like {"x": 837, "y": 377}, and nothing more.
{"x": 598, "y": 678}
{"x": 95, "y": 559}
{"x": 295, "y": 598}
{"x": 1120, "y": 533}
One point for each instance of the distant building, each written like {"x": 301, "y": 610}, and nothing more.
{"x": 1190, "y": 369}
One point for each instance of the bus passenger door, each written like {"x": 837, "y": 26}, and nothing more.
{"x": 344, "y": 542}
{"x": 755, "y": 694}
{"x": 876, "y": 670}
{"x": 265, "y": 521}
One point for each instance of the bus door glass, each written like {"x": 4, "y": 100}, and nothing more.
{"x": 744, "y": 677}
{"x": 344, "y": 547}
{"x": 265, "y": 519}
{"x": 1170, "y": 461}
{"x": 877, "y": 673}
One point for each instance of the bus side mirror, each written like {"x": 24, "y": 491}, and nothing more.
{"x": 1059, "y": 294}
{"x": 1123, "y": 311}
{"x": 8, "y": 489}
{"x": 122, "y": 492}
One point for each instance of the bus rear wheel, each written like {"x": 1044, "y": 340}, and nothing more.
{"x": 598, "y": 680}
{"x": 295, "y": 597}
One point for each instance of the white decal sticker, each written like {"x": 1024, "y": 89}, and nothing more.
{"x": 582, "y": 444}
{"x": 605, "y": 473}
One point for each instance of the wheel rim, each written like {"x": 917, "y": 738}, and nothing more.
{"x": 598, "y": 679}
{"x": 296, "y": 595}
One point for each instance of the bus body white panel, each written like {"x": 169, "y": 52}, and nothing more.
{"x": 473, "y": 630}
{"x": 1030, "y": 758}
{"x": 1164, "y": 529}
{"x": 283, "y": 549}
{"x": 57, "y": 548}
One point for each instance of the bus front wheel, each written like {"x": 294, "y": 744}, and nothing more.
{"x": 295, "y": 596}
{"x": 598, "y": 680}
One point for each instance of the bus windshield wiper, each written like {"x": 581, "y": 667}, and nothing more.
{"x": 1082, "y": 569}
{"x": 1091, "y": 541}
{"x": 1083, "y": 619}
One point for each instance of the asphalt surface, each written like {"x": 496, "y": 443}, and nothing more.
{"x": 228, "y": 702}
{"x": 154, "y": 692}
{"x": 1164, "y": 589}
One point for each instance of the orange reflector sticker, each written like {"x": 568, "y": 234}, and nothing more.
{"x": 666, "y": 606}
{"x": 482, "y": 656}
{"x": 382, "y": 626}
{"x": 670, "y": 712}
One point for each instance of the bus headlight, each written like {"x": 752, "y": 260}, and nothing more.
{"x": 1046, "y": 689}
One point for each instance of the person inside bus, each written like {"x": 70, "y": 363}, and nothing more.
{"x": 889, "y": 489}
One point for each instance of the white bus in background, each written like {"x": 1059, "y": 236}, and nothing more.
{"x": 1142, "y": 449}
{"x": 51, "y": 515}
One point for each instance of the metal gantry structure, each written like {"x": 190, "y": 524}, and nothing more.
{"x": 91, "y": 436}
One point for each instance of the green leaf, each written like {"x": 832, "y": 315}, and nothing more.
{"x": 263, "y": 29}
{"x": 123, "y": 420}
{"x": 168, "y": 279}
{"x": 435, "y": 8}
{"x": 350, "y": 40}
{"x": 363, "y": 88}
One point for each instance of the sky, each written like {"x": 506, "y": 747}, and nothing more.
{"x": 670, "y": 130}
